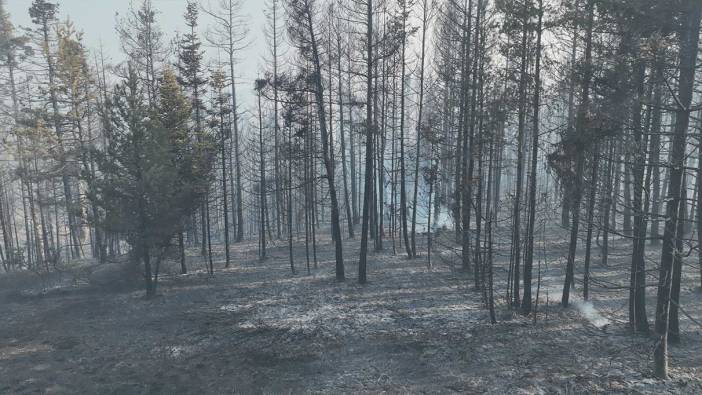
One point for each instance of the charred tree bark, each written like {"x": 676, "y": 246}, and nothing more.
{"x": 689, "y": 44}
{"x": 368, "y": 184}
{"x": 516, "y": 211}
{"x": 342, "y": 135}
{"x": 529, "y": 257}
{"x": 420, "y": 113}
{"x": 403, "y": 175}
{"x": 581, "y": 139}
{"x": 326, "y": 150}
{"x": 637, "y": 293}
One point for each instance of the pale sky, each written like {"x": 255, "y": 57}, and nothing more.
{"x": 96, "y": 18}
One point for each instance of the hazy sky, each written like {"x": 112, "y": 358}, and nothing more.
{"x": 96, "y": 18}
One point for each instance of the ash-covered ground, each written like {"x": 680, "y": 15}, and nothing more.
{"x": 257, "y": 328}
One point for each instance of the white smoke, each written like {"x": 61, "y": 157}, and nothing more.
{"x": 591, "y": 314}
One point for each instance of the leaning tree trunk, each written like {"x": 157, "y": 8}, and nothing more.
{"x": 326, "y": 150}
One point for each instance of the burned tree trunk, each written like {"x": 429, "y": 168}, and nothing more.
{"x": 689, "y": 44}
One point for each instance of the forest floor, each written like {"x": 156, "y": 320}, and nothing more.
{"x": 256, "y": 328}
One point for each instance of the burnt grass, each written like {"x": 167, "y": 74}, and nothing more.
{"x": 257, "y": 328}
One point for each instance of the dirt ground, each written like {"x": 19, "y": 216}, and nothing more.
{"x": 256, "y": 328}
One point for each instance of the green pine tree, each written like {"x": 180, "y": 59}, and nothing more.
{"x": 156, "y": 174}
